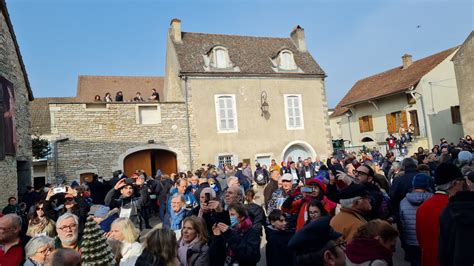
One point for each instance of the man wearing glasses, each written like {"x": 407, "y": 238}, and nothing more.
{"x": 12, "y": 245}
{"x": 68, "y": 233}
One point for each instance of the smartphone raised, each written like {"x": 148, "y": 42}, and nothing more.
{"x": 307, "y": 189}
{"x": 58, "y": 190}
{"x": 208, "y": 198}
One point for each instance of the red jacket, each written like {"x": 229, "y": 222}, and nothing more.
{"x": 427, "y": 227}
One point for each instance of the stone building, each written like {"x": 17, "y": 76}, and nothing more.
{"x": 422, "y": 92}
{"x": 225, "y": 99}
{"x": 15, "y": 97}
{"x": 464, "y": 68}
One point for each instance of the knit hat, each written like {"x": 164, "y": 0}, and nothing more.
{"x": 465, "y": 156}
{"x": 446, "y": 172}
{"x": 313, "y": 236}
{"x": 99, "y": 211}
{"x": 421, "y": 181}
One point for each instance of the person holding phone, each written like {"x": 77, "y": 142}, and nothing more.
{"x": 298, "y": 202}
{"x": 211, "y": 210}
{"x": 123, "y": 196}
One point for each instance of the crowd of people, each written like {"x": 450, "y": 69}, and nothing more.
{"x": 349, "y": 210}
{"x": 119, "y": 97}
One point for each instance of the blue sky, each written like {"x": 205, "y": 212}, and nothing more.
{"x": 350, "y": 39}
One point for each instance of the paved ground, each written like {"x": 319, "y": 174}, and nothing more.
{"x": 397, "y": 258}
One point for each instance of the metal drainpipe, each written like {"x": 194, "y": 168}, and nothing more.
{"x": 349, "y": 126}
{"x": 56, "y": 154}
{"x": 425, "y": 130}
{"x": 185, "y": 78}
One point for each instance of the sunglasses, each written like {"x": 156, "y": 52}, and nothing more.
{"x": 69, "y": 199}
{"x": 359, "y": 172}
{"x": 39, "y": 209}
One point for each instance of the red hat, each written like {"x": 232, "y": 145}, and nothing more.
{"x": 320, "y": 184}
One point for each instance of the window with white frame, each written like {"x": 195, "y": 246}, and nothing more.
{"x": 287, "y": 61}
{"x": 226, "y": 113}
{"x": 220, "y": 58}
{"x": 294, "y": 111}
{"x": 225, "y": 159}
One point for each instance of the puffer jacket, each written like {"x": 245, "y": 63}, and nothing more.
{"x": 408, "y": 207}
{"x": 198, "y": 255}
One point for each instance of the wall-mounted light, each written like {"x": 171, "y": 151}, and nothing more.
{"x": 151, "y": 141}
{"x": 263, "y": 101}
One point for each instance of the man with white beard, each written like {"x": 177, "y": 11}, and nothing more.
{"x": 68, "y": 232}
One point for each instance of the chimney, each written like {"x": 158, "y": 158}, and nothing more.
{"x": 407, "y": 61}
{"x": 175, "y": 30}
{"x": 297, "y": 35}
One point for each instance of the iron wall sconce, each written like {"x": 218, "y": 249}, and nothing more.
{"x": 264, "y": 104}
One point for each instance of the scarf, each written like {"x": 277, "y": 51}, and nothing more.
{"x": 176, "y": 219}
{"x": 38, "y": 226}
{"x": 361, "y": 250}
{"x": 183, "y": 250}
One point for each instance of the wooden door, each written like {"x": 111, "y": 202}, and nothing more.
{"x": 165, "y": 161}
{"x": 414, "y": 121}
{"x": 138, "y": 160}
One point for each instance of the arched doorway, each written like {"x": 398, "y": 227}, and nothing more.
{"x": 298, "y": 149}
{"x": 150, "y": 161}
{"x": 367, "y": 139}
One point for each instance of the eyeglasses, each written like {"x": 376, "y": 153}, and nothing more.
{"x": 359, "y": 173}
{"x": 70, "y": 227}
{"x": 69, "y": 199}
{"x": 340, "y": 243}
{"x": 39, "y": 209}
{"x": 46, "y": 250}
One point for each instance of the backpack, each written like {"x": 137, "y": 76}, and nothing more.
{"x": 260, "y": 178}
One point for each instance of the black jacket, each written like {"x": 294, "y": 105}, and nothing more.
{"x": 400, "y": 187}
{"x": 277, "y": 252}
{"x": 246, "y": 246}
{"x": 456, "y": 231}
{"x": 257, "y": 215}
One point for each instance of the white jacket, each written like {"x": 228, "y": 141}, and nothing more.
{"x": 130, "y": 253}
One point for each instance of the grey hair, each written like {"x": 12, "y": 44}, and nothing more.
{"x": 180, "y": 196}
{"x": 349, "y": 203}
{"x": 230, "y": 178}
{"x": 36, "y": 243}
{"x": 15, "y": 219}
{"x": 66, "y": 216}
{"x": 409, "y": 163}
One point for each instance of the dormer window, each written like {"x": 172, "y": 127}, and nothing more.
{"x": 286, "y": 60}
{"x": 220, "y": 58}
{"x": 217, "y": 59}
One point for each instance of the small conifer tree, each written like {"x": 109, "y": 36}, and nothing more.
{"x": 95, "y": 250}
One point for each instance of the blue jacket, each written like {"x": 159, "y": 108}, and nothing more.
{"x": 408, "y": 207}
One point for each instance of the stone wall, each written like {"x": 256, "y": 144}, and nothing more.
{"x": 100, "y": 139}
{"x": 464, "y": 68}
{"x": 10, "y": 69}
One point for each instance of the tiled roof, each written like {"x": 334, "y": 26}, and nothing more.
{"x": 89, "y": 86}
{"x": 40, "y": 116}
{"x": 3, "y": 7}
{"x": 251, "y": 54}
{"x": 338, "y": 110}
{"x": 393, "y": 81}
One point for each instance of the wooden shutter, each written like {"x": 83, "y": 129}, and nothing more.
{"x": 361, "y": 125}
{"x": 404, "y": 119}
{"x": 389, "y": 123}
{"x": 371, "y": 126}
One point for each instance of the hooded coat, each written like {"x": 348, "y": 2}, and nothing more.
{"x": 408, "y": 207}
{"x": 276, "y": 250}
{"x": 457, "y": 230}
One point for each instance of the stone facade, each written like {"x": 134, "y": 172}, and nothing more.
{"x": 11, "y": 69}
{"x": 464, "y": 68}
{"x": 99, "y": 140}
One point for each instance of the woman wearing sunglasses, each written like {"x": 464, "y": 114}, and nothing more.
{"x": 39, "y": 223}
